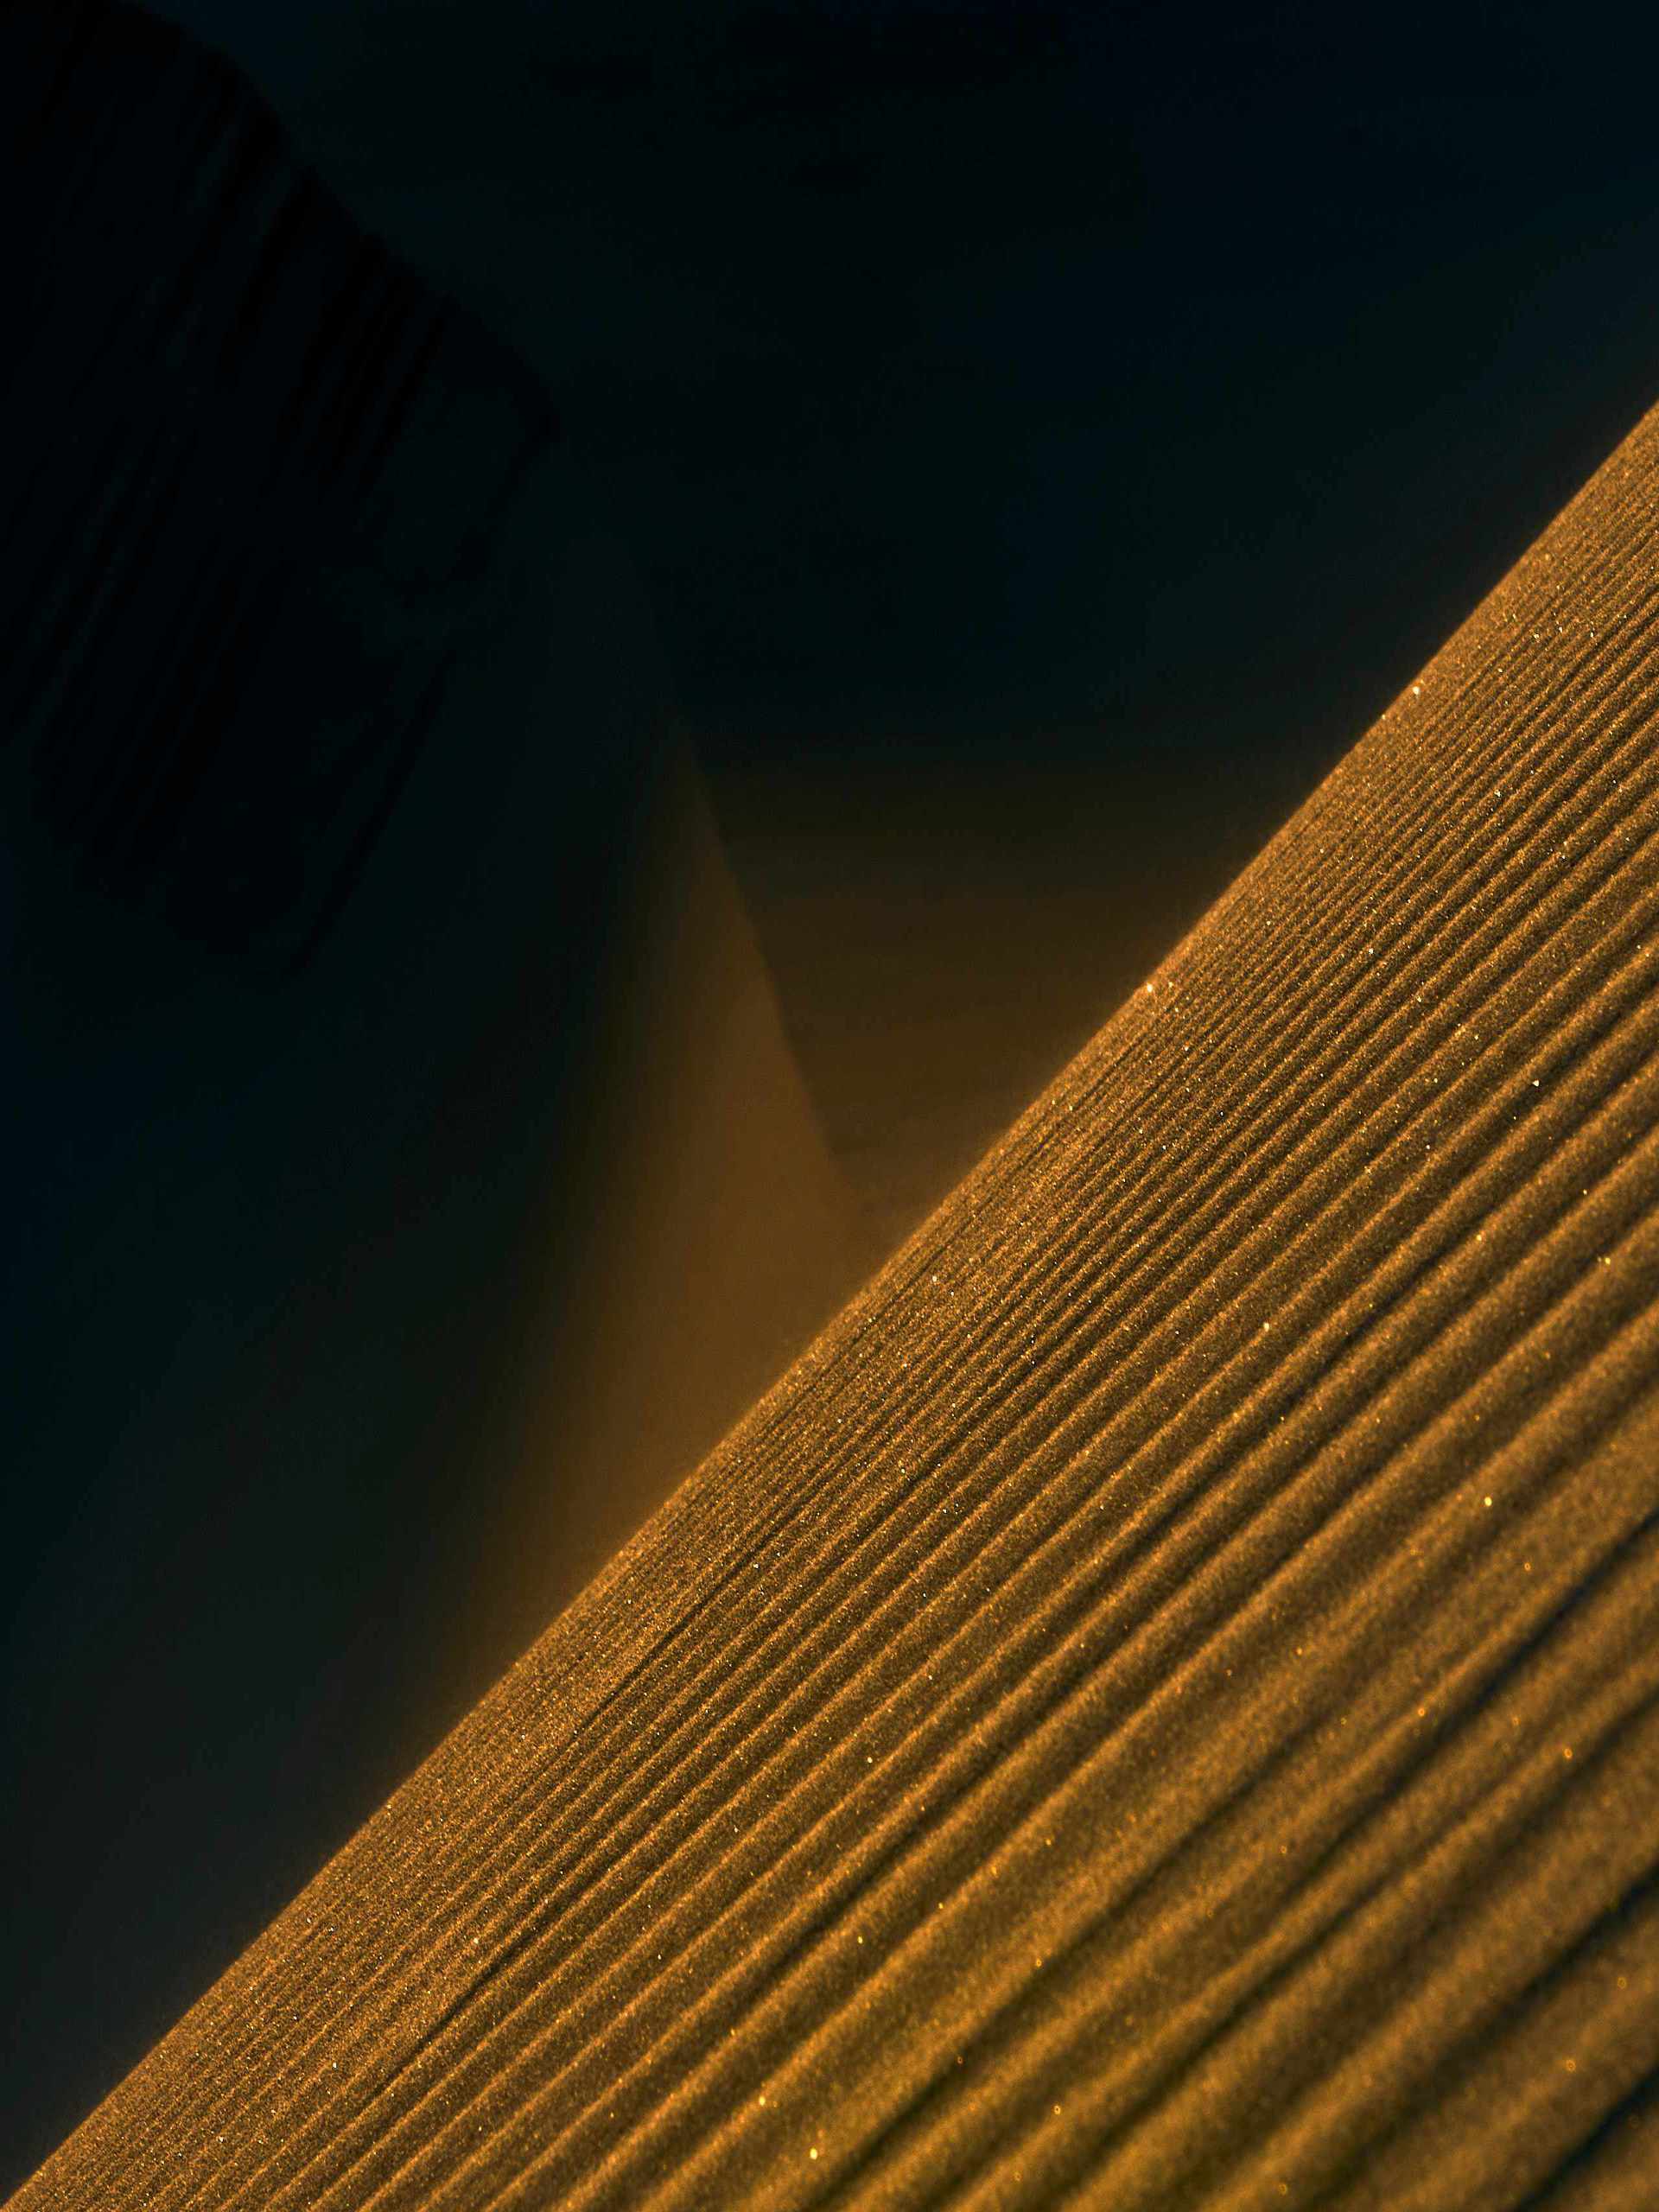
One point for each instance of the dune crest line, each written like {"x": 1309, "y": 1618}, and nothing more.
{"x": 1158, "y": 1705}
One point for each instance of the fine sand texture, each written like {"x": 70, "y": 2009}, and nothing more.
{"x": 1159, "y": 1707}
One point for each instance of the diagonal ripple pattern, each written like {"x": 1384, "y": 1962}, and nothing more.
{"x": 1160, "y": 1707}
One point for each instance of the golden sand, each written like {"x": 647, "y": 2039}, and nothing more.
{"x": 1159, "y": 1707}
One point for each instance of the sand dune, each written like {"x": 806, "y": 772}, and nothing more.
{"x": 1159, "y": 1707}
{"x": 338, "y": 1348}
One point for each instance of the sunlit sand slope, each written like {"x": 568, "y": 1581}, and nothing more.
{"x": 1158, "y": 1707}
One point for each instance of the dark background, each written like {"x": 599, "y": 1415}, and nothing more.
{"x": 1047, "y": 437}
{"x": 1024, "y": 416}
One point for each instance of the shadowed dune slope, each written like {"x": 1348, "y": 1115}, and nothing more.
{"x": 366, "y": 952}
{"x": 1159, "y": 1707}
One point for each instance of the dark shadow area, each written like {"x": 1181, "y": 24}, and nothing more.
{"x": 366, "y": 935}
{"x": 1116, "y": 403}
{"x": 630, "y": 624}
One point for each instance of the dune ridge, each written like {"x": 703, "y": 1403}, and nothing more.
{"x": 1158, "y": 1706}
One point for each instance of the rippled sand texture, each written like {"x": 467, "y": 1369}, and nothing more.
{"x": 1158, "y": 1708}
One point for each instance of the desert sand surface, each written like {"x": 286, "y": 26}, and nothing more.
{"x": 1157, "y": 1707}
{"x": 1153, "y": 1707}
{"x": 341, "y": 1326}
